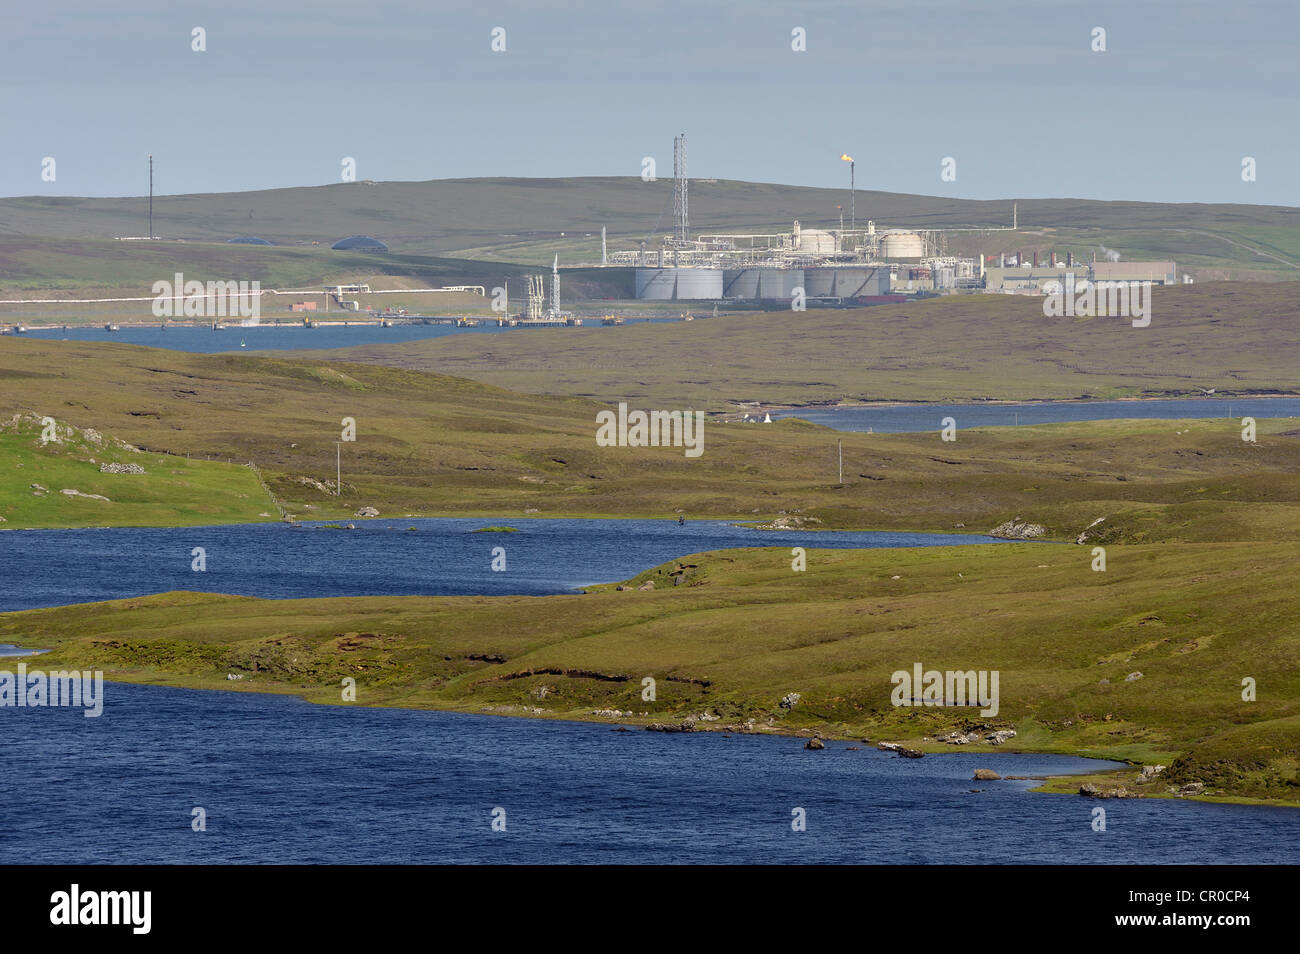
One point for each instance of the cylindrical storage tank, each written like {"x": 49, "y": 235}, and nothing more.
{"x": 699, "y": 283}
{"x": 841, "y": 281}
{"x": 671, "y": 284}
{"x": 816, "y": 242}
{"x": 819, "y": 282}
{"x": 899, "y": 243}
{"x": 774, "y": 283}
{"x": 656, "y": 284}
{"x": 764, "y": 283}
{"x": 740, "y": 283}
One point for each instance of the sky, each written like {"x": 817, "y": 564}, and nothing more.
{"x": 1012, "y": 91}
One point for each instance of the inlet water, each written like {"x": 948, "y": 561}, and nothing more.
{"x": 284, "y": 781}
{"x": 438, "y": 557}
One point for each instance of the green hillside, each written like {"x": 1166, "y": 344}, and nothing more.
{"x": 63, "y": 482}
{"x": 431, "y": 444}
{"x": 528, "y": 220}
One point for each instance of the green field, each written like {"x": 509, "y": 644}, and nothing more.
{"x": 1238, "y": 338}
{"x": 172, "y": 490}
{"x": 434, "y": 445}
{"x": 727, "y": 635}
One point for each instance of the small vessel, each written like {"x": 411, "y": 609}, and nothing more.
{"x": 612, "y": 320}
{"x": 573, "y": 322}
{"x": 20, "y": 329}
{"x": 112, "y": 327}
{"x": 218, "y": 326}
{"x": 241, "y": 343}
{"x": 466, "y": 322}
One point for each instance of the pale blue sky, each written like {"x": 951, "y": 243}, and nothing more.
{"x": 412, "y": 90}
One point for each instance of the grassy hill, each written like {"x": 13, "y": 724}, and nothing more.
{"x": 431, "y": 444}
{"x": 1240, "y": 338}
{"x": 528, "y": 220}
{"x": 741, "y": 631}
{"x": 36, "y": 475}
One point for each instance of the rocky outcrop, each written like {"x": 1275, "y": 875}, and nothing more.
{"x": 1018, "y": 530}
{"x": 958, "y": 737}
{"x": 887, "y": 746}
{"x": 1149, "y": 773}
{"x": 686, "y": 725}
{"x": 1089, "y": 533}
{"x": 790, "y": 700}
{"x": 367, "y": 512}
{"x": 814, "y": 743}
{"x": 985, "y": 775}
{"x": 1133, "y": 677}
{"x": 121, "y": 469}
{"x": 1089, "y": 790}
{"x": 69, "y": 492}
{"x": 910, "y": 753}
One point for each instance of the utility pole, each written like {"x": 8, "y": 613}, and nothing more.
{"x": 338, "y": 468}
{"x": 853, "y": 192}
{"x": 841, "y": 447}
{"x": 151, "y": 196}
{"x": 681, "y": 205}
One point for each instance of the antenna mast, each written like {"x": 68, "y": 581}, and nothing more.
{"x": 681, "y": 213}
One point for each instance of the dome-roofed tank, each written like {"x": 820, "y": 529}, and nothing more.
{"x": 900, "y": 243}
{"x": 247, "y": 240}
{"x": 816, "y": 242}
{"x": 360, "y": 243}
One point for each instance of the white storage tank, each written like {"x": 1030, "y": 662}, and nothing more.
{"x": 816, "y": 242}
{"x": 900, "y": 243}
{"x": 762, "y": 283}
{"x": 674, "y": 284}
{"x": 845, "y": 281}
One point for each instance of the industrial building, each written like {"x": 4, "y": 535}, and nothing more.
{"x": 1157, "y": 273}
{"x": 1049, "y": 276}
{"x": 845, "y": 265}
{"x": 825, "y": 265}
{"x": 761, "y": 283}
